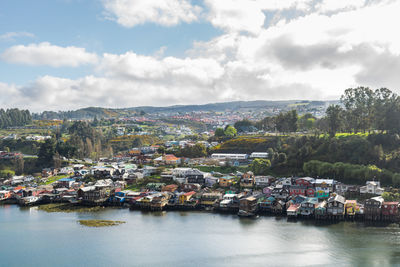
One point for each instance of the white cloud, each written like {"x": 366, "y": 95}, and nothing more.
{"x": 314, "y": 55}
{"x": 336, "y": 5}
{"x": 48, "y": 54}
{"x": 11, "y": 36}
{"x": 167, "y": 70}
{"x": 248, "y": 15}
{"x": 130, "y": 13}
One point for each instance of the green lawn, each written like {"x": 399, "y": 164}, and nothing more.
{"x": 52, "y": 179}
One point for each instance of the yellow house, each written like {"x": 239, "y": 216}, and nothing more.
{"x": 186, "y": 197}
{"x": 351, "y": 207}
{"x": 247, "y": 180}
{"x": 226, "y": 181}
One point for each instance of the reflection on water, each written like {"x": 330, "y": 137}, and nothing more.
{"x": 179, "y": 238}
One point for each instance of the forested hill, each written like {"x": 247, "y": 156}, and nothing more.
{"x": 14, "y": 117}
{"x": 91, "y": 112}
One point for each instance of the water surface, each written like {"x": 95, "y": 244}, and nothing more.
{"x": 36, "y": 238}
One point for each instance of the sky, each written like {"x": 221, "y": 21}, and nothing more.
{"x": 70, "y": 54}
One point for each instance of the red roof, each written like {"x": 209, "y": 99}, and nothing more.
{"x": 391, "y": 203}
{"x": 293, "y": 207}
{"x": 170, "y": 157}
{"x": 191, "y": 193}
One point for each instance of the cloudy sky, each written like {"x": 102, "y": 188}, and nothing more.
{"x": 68, "y": 54}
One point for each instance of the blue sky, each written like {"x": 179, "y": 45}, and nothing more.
{"x": 68, "y": 54}
{"x": 82, "y": 23}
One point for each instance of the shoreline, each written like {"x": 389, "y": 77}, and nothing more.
{"x": 77, "y": 208}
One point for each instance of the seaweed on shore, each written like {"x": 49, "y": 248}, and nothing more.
{"x": 100, "y": 223}
{"x": 67, "y": 207}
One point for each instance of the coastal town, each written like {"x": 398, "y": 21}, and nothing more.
{"x": 139, "y": 181}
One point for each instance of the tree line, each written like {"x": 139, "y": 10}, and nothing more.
{"x": 83, "y": 141}
{"x": 14, "y": 117}
{"x": 361, "y": 109}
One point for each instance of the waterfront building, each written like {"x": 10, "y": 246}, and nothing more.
{"x": 373, "y": 208}
{"x": 307, "y": 207}
{"x": 335, "y": 206}
{"x": 390, "y": 210}
{"x": 293, "y": 210}
{"x": 351, "y": 207}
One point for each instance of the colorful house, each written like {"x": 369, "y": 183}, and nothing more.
{"x": 305, "y": 181}
{"x": 323, "y": 188}
{"x": 295, "y": 190}
{"x": 247, "y": 180}
{"x": 307, "y": 207}
{"x": 267, "y": 203}
{"x": 390, "y": 210}
{"x": 169, "y": 188}
{"x": 320, "y": 210}
{"x": 210, "y": 199}
{"x": 351, "y": 207}
{"x": 226, "y": 181}
{"x": 5, "y": 195}
{"x": 186, "y": 197}
{"x": 373, "y": 208}
{"x": 336, "y": 206}
{"x": 267, "y": 191}
{"x": 293, "y": 210}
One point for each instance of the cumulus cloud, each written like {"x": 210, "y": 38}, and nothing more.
{"x": 130, "y": 13}
{"x": 48, "y": 54}
{"x": 248, "y": 15}
{"x": 316, "y": 55}
{"x": 166, "y": 70}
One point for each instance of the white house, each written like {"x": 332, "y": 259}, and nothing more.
{"x": 262, "y": 155}
{"x": 372, "y": 187}
{"x": 262, "y": 180}
{"x": 225, "y": 156}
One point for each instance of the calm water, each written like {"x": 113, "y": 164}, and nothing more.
{"x": 31, "y": 237}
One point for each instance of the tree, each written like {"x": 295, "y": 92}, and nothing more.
{"x": 359, "y": 104}
{"x": 19, "y": 166}
{"x": 287, "y": 122}
{"x": 46, "y": 153}
{"x": 57, "y": 160}
{"x": 245, "y": 126}
{"x": 196, "y": 151}
{"x": 260, "y": 166}
{"x": 219, "y": 132}
{"x": 306, "y": 122}
{"x": 267, "y": 124}
{"x": 230, "y": 131}
{"x": 334, "y": 119}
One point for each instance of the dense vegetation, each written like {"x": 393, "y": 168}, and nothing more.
{"x": 14, "y": 117}
{"x": 355, "y": 142}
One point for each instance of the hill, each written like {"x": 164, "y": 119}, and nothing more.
{"x": 258, "y": 105}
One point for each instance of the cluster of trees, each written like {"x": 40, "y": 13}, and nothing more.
{"x": 350, "y": 173}
{"x": 14, "y": 117}
{"x": 245, "y": 126}
{"x": 260, "y": 166}
{"x": 20, "y": 145}
{"x": 229, "y": 131}
{"x": 364, "y": 110}
{"x": 83, "y": 141}
{"x": 196, "y": 151}
{"x": 287, "y": 122}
